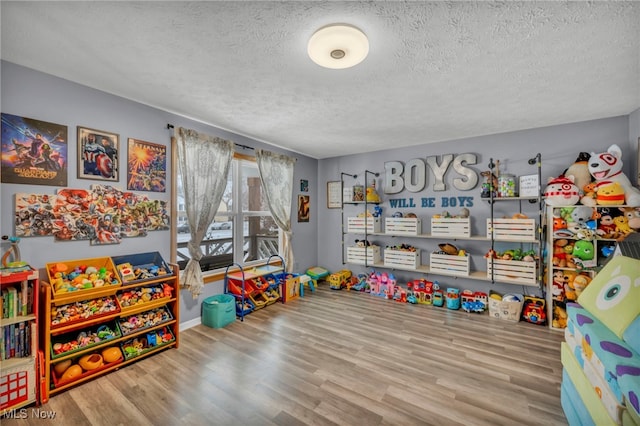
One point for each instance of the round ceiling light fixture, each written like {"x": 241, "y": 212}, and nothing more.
{"x": 338, "y": 46}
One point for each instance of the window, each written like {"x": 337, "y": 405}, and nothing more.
{"x": 243, "y": 230}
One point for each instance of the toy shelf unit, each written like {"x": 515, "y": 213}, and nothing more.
{"x": 358, "y": 199}
{"x": 579, "y": 242}
{"x": 88, "y": 332}
{"x": 257, "y": 287}
{"x": 19, "y": 373}
{"x": 518, "y": 260}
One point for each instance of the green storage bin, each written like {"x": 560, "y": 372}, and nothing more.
{"x": 218, "y": 310}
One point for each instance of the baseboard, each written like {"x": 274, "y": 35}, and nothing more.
{"x": 191, "y": 323}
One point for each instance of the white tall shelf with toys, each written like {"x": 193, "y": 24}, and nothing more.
{"x": 19, "y": 377}
{"x": 580, "y": 240}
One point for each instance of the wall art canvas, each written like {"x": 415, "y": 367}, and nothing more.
{"x": 303, "y": 208}
{"x": 98, "y": 153}
{"x": 102, "y": 215}
{"x": 34, "y": 152}
{"x": 146, "y": 166}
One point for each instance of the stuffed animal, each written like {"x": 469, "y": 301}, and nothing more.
{"x": 557, "y": 287}
{"x": 582, "y": 215}
{"x": 580, "y": 282}
{"x": 633, "y": 217}
{"x": 622, "y": 226}
{"x": 589, "y": 197}
{"x": 559, "y": 317}
{"x": 568, "y": 278}
{"x": 561, "y": 191}
{"x": 372, "y": 194}
{"x": 606, "y": 168}
{"x": 606, "y": 226}
{"x": 580, "y": 171}
{"x": 610, "y": 195}
{"x": 583, "y": 250}
{"x": 560, "y": 248}
{"x": 559, "y": 223}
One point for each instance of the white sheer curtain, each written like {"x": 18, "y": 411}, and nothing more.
{"x": 276, "y": 175}
{"x": 204, "y": 163}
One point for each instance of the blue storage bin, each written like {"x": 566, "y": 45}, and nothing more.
{"x": 218, "y": 310}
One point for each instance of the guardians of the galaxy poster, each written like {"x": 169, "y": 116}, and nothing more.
{"x": 33, "y": 151}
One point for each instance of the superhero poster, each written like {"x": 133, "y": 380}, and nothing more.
{"x": 146, "y": 166}
{"x": 33, "y": 151}
{"x": 98, "y": 153}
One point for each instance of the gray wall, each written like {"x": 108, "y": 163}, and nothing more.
{"x": 33, "y": 94}
{"x": 558, "y": 146}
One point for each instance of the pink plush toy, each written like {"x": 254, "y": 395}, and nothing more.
{"x": 606, "y": 168}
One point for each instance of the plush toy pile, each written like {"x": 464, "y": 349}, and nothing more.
{"x": 594, "y": 179}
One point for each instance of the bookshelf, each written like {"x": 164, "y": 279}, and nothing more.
{"x": 18, "y": 338}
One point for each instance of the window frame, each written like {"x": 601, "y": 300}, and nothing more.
{"x": 236, "y": 215}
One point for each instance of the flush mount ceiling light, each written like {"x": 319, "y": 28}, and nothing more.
{"x": 338, "y": 46}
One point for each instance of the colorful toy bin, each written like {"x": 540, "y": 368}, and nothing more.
{"x": 219, "y": 310}
{"x": 76, "y": 280}
{"x": 140, "y": 267}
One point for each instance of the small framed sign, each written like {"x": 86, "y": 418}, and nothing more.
{"x": 334, "y": 195}
{"x": 529, "y": 186}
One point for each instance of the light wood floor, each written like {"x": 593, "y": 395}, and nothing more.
{"x": 334, "y": 357}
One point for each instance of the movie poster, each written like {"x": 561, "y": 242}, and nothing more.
{"x": 146, "y": 166}
{"x": 33, "y": 151}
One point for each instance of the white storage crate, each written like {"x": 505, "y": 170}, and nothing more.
{"x": 357, "y": 224}
{"x": 358, "y": 255}
{"x": 512, "y": 229}
{"x": 401, "y": 259}
{"x": 451, "y": 227}
{"x": 402, "y": 226}
{"x": 512, "y": 270}
{"x": 449, "y": 264}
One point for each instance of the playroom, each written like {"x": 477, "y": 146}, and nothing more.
{"x": 215, "y": 224}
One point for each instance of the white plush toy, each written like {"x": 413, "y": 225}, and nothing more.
{"x": 606, "y": 168}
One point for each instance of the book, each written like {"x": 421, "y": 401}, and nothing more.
{"x": 13, "y": 302}
{"x": 24, "y": 297}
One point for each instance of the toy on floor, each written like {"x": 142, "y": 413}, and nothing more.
{"x": 474, "y": 301}
{"x": 453, "y": 298}
{"x": 338, "y": 280}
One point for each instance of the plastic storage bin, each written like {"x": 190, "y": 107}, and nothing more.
{"x": 218, "y": 310}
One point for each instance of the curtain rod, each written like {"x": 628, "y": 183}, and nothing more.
{"x": 171, "y": 126}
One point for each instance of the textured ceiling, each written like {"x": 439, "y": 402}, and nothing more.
{"x": 435, "y": 71}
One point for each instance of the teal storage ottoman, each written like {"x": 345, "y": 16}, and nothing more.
{"x": 218, "y": 310}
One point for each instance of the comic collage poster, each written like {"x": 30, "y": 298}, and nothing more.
{"x": 33, "y": 151}
{"x": 102, "y": 215}
{"x": 146, "y": 166}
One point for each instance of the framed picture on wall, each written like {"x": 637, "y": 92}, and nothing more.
{"x": 146, "y": 166}
{"x": 34, "y": 152}
{"x": 98, "y": 154}
{"x": 303, "y": 208}
{"x": 334, "y": 195}
{"x": 304, "y": 185}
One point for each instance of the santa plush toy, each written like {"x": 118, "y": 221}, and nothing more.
{"x": 606, "y": 168}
